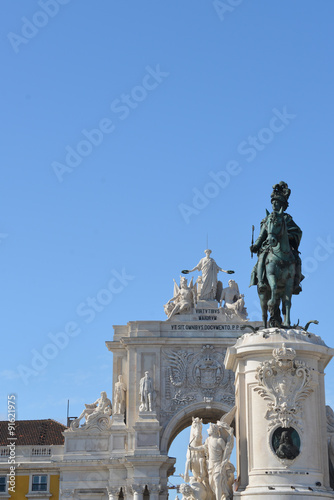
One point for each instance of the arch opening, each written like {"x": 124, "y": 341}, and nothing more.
{"x": 183, "y": 419}
{"x": 179, "y": 436}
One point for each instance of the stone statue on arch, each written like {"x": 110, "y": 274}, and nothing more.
{"x": 184, "y": 298}
{"x": 210, "y": 286}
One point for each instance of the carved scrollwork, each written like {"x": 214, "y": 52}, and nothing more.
{"x": 285, "y": 382}
{"x": 180, "y": 398}
{"x": 228, "y": 399}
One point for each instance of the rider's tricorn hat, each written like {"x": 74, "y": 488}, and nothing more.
{"x": 281, "y": 193}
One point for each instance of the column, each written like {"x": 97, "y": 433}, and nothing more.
{"x": 137, "y": 490}
{"x": 154, "y": 490}
{"x": 113, "y": 492}
{"x": 163, "y": 492}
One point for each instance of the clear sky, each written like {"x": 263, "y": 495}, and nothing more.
{"x": 133, "y": 133}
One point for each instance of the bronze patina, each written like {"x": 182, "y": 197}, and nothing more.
{"x": 277, "y": 272}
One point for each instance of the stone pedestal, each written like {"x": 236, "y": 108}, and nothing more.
{"x": 281, "y": 417}
{"x": 85, "y": 444}
{"x": 118, "y": 438}
{"x": 118, "y": 420}
{"x": 147, "y": 434}
{"x": 207, "y": 304}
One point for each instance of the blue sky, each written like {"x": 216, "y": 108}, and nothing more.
{"x": 132, "y": 132}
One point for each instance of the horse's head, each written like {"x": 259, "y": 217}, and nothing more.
{"x": 275, "y": 227}
{"x": 196, "y": 428}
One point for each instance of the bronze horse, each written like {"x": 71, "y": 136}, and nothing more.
{"x": 280, "y": 268}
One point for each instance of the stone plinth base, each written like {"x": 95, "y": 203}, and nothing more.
{"x": 117, "y": 420}
{"x": 147, "y": 433}
{"x": 147, "y": 415}
{"x": 87, "y": 444}
{"x": 281, "y": 418}
{"x": 281, "y": 494}
{"x": 207, "y": 304}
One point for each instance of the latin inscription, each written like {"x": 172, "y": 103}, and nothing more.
{"x": 207, "y": 311}
{"x": 283, "y": 472}
{"x": 206, "y": 327}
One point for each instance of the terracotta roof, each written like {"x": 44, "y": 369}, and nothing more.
{"x": 34, "y": 432}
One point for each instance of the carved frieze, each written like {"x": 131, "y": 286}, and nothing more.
{"x": 285, "y": 382}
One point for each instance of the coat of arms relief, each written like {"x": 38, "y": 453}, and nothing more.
{"x": 284, "y": 382}
{"x": 193, "y": 375}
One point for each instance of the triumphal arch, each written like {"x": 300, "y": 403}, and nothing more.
{"x": 173, "y": 371}
{"x": 165, "y": 374}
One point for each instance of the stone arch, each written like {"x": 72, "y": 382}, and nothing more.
{"x": 208, "y": 412}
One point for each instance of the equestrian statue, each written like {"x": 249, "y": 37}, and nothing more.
{"x": 277, "y": 272}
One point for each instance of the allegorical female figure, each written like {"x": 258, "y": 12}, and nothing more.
{"x": 209, "y": 269}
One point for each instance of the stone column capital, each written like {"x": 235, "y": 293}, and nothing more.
{"x": 154, "y": 488}
{"x": 113, "y": 491}
{"x": 137, "y": 488}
